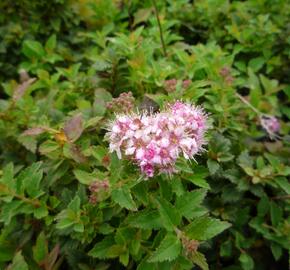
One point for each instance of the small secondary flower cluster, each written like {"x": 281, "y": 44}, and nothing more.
{"x": 271, "y": 125}
{"x": 123, "y": 103}
{"x": 155, "y": 141}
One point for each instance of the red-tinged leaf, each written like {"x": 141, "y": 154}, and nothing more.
{"x": 52, "y": 257}
{"x": 21, "y": 89}
{"x": 73, "y": 151}
{"x": 73, "y": 128}
{"x": 34, "y": 131}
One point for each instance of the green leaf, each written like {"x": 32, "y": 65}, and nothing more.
{"x": 256, "y": 63}
{"x": 283, "y": 183}
{"x": 101, "y": 249}
{"x": 188, "y": 202}
{"x": 204, "y": 228}
{"x": 84, "y": 177}
{"x": 48, "y": 147}
{"x": 9, "y": 210}
{"x": 168, "y": 250}
{"x": 263, "y": 206}
{"x": 40, "y": 250}
{"x": 75, "y": 204}
{"x": 198, "y": 181}
{"x": 18, "y": 263}
{"x": 246, "y": 261}
{"x": 31, "y": 178}
{"x": 169, "y": 215}
{"x": 276, "y": 251}
{"x": 145, "y": 265}
{"x": 226, "y": 249}
{"x": 276, "y": 214}
{"x": 142, "y": 15}
{"x": 33, "y": 49}
{"x": 123, "y": 197}
{"x": 213, "y": 166}
{"x": 124, "y": 258}
{"x": 50, "y": 43}
{"x": 79, "y": 228}
{"x": 145, "y": 219}
{"x": 7, "y": 251}
{"x": 41, "y": 211}
{"x": 8, "y": 175}
{"x": 200, "y": 260}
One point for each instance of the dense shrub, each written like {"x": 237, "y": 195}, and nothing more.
{"x": 68, "y": 203}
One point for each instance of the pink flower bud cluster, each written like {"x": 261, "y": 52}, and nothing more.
{"x": 271, "y": 125}
{"x": 95, "y": 188}
{"x": 155, "y": 141}
{"x": 170, "y": 85}
{"x": 190, "y": 246}
{"x": 123, "y": 103}
{"x": 225, "y": 72}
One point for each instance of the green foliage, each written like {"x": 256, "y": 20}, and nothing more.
{"x": 62, "y": 61}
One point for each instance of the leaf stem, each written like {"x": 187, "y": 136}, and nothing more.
{"x": 160, "y": 28}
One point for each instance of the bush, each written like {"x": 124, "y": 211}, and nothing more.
{"x": 67, "y": 202}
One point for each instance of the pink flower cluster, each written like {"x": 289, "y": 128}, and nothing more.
{"x": 155, "y": 141}
{"x": 271, "y": 125}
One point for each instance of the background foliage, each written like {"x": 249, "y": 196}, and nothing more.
{"x": 75, "y": 56}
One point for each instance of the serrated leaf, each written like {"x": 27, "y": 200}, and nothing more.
{"x": 51, "y": 43}
{"x": 123, "y": 197}
{"x": 169, "y": 215}
{"x": 204, "y": 228}
{"x": 33, "y": 131}
{"x": 31, "y": 178}
{"x": 48, "y": 147}
{"x": 276, "y": 213}
{"x": 226, "y": 248}
{"x": 73, "y": 151}
{"x": 168, "y": 249}
{"x": 263, "y": 206}
{"x": 276, "y": 251}
{"x": 145, "y": 219}
{"x": 7, "y": 177}
{"x": 74, "y": 127}
{"x": 246, "y": 261}
{"x": 213, "y": 166}
{"x": 142, "y": 15}
{"x": 40, "y": 250}
{"x": 198, "y": 181}
{"x": 200, "y": 260}
{"x": 145, "y": 265}
{"x": 256, "y": 63}
{"x": 283, "y": 183}
{"x": 84, "y": 177}
{"x": 33, "y": 49}
{"x": 21, "y": 89}
{"x": 124, "y": 258}
{"x": 18, "y": 263}
{"x": 101, "y": 249}
{"x": 189, "y": 201}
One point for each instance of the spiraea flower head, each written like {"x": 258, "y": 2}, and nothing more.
{"x": 155, "y": 141}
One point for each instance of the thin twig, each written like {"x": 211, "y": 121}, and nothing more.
{"x": 282, "y": 197}
{"x": 249, "y": 104}
{"x": 160, "y": 28}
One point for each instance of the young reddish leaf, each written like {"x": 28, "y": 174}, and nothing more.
{"x": 33, "y": 131}
{"x": 73, "y": 128}
{"x": 21, "y": 89}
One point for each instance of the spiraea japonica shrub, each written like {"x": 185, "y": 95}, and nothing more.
{"x": 135, "y": 141}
